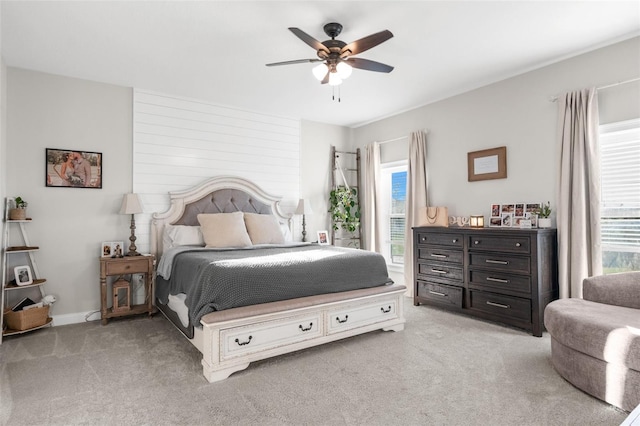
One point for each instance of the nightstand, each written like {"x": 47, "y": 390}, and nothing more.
{"x": 133, "y": 265}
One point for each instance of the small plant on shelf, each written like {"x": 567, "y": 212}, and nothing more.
{"x": 20, "y": 203}
{"x": 544, "y": 211}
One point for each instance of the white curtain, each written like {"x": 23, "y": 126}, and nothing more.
{"x": 416, "y": 198}
{"x": 371, "y": 229}
{"x": 578, "y": 212}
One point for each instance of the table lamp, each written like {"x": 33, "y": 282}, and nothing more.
{"x": 304, "y": 208}
{"x": 131, "y": 205}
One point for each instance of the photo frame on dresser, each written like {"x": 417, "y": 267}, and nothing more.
{"x": 514, "y": 215}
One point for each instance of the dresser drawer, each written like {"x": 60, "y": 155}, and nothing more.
{"x": 128, "y": 266}
{"x": 501, "y": 305}
{"x": 440, "y": 293}
{"x": 511, "y": 244}
{"x": 239, "y": 341}
{"x": 500, "y": 262}
{"x": 358, "y": 315}
{"x": 440, "y": 270}
{"x": 440, "y": 255}
{"x": 500, "y": 282}
{"x": 441, "y": 239}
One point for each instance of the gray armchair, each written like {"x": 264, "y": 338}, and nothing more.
{"x": 595, "y": 341}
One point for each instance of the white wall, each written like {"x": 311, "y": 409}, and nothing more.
{"x": 315, "y": 172}
{"x": 47, "y": 111}
{"x": 515, "y": 113}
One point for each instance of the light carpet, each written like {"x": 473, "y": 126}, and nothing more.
{"x": 443, "y": 369}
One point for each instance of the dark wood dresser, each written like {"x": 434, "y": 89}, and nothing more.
{"x": 506, "y": 275}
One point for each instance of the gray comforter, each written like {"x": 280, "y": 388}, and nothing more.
{"x": 214, "y": 280}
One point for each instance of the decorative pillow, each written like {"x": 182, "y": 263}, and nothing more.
{"x": 224, "y": 230}
{"x": 263, "y": 228}
{"x": 181, "y": 235}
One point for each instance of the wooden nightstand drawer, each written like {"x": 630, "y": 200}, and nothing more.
{"x": 440, "y": 293}
{"x": 127, "y": 266}
{"x": 501, "y": 305}
{"x": 440, "y": 255}
{"x": 441, "y": 239}
{"x": 515, "y": 244}
{"x": 500, "y": 262}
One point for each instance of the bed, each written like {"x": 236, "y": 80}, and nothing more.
{"x": 239, "y": 301}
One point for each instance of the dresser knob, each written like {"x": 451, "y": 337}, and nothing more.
{"x": 518, "y": 244}
{"x": 476, "y": 242}
{"x": 455, "y": 240}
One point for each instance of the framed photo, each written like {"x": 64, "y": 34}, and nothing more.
{"x": 23, "y": 275}
{"x": 323, "y": 238}
{"x": 73, "y": 169}
{"x": 516, "y": 215}
{"x": 487, "y": 164}
{"x": 112, "y": 249}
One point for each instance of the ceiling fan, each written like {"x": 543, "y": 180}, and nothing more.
{"x": 336, "y": 56}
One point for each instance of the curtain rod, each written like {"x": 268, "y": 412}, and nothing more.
{"x": 631, "y": 80}
{"x": 400, "y": 138}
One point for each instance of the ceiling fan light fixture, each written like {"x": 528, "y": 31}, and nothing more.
{"x": 344, "y": 70}
{"x": 334, "y": 79}
{"x": 320, "y": 71}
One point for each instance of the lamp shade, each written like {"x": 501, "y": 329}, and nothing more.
{"x": 131, "y": 204}
{"x": 304, "y": 207}
{"x": 320, "y": 71}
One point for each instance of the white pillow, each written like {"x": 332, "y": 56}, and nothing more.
{"x": 263, "y": 228}
{"x": 224, "y": 230}
{"x": 181, "y": 235}
{"x": 286, "y": 232}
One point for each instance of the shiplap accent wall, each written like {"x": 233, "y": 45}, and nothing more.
{"x": 180, "y": 142}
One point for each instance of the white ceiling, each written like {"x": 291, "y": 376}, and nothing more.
{"x": 217, "y": 50}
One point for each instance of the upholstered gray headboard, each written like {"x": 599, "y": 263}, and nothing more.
{"x": 222, "y": 201}
{"x": 222, "y": 194}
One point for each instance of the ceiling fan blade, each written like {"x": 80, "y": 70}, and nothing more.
{"x": 297, "y": 61}
{"x": 366, "y": 64}
{"x": 308, "y": 39}
{"x": 366, "y": 43}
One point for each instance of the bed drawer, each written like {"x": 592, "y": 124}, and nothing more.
{"x": 356, "y": 316}
{"x": 243, "y": 340}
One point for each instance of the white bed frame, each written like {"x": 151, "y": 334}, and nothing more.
{"x": 229, "y": 340}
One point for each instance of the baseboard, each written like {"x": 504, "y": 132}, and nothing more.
{"x": 75, "y": 318}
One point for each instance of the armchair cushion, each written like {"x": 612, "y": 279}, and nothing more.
{"x": 605, "y": 332}
{"x": 621, "y": 289}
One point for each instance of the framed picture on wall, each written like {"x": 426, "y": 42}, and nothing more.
{"x": 73, "y": 169}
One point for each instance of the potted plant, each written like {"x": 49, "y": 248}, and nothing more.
{"x": 544, "y": 221}
{"x": 345, "y": 210}
{"x": 20, "y": 210}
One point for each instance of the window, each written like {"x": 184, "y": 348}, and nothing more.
{"x": 393, "y": 187}
{"x": 620, "y": 186}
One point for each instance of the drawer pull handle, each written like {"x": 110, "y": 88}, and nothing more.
{"x": 437, "y": 293}
{"x": 438, "y": 271}
{"x": 439, "y": 256}
{"x": 244, "y": 343}
{"x": 518, "y": 244}
{"x": 498, "y": 280}
{"x": 498, "y": 305}
{"x": 308, "y": 328}
{"x": 346, "y": 317}
{"x": 386, "y": 311}
{"x": 499, "y": 262}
